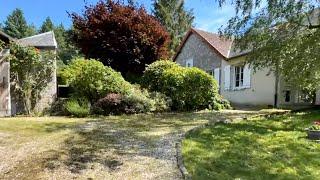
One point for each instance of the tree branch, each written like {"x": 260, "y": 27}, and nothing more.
{"x": 314, "y": 26}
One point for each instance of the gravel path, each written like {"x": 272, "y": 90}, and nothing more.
{"x": 143, "y": 154}
{"x": 122, "y": 147}
{"x": 132, "y": 147}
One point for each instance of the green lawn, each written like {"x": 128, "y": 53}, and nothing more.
{"x": 273, "y": 148}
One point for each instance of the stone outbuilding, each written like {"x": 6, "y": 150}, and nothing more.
{"x": 9, "y": 104}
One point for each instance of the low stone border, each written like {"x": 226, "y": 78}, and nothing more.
{"x": 180, "y": 162}
{"x": 185, "y": 174}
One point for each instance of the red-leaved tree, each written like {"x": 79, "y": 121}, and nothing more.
{"x": 124, "y": 37}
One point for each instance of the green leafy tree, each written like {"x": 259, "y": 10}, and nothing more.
{"x": 177, "y": 20}
{"x": 47, "y": 26}
{"x": 283, "y": 35}
{"x": 67, "y": 49}
{"x": 31, "y": 71}
{"x": 17, "y": 26}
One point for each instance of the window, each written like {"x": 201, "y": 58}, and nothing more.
{"x": 211, "y": 72}
{"x": 189, "y": 63}
{"x": 287, "y": 96}
{"x": 238, "y": 72}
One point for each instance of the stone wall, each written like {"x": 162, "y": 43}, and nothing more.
{"x": 5, "y": 107}
{"x": 203, "y": 56}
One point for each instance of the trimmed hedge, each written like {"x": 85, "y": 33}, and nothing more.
{"x": 189, "y": 88}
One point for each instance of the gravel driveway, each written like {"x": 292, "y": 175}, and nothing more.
{"x": 119, "y": 147}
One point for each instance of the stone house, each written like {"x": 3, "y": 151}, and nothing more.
{"x": 237, "y": 82}
{"x": 9, "y": 105}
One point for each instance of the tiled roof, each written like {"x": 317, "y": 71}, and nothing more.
{"x": 223, "y": 46}
{"x": 44, "y": 40}
{"x": 5, "y": 36}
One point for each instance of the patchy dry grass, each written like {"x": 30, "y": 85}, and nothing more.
{"x": 119, "y": 147}
{"x": 115, "y": 147}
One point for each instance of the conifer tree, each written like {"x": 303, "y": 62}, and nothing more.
{"x": 177, "y": 20}
{"x": 17, "y": 26}
{"x": 47, "y": 26}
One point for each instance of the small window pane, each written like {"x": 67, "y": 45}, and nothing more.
{"x": 239, "y": 76}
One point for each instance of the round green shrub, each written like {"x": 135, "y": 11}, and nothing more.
{"x": 199, "y": 88}
{"x": 154, "y": 72}
{"x": 172, "y": 84}
{"x": 92, "y": 80}
{"x": 189, "y": 88}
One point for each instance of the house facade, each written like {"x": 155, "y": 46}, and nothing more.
{"x": 237, "y": 81}
{"x": 9, "y": 103}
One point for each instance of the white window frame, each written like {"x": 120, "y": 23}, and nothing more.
{"x": 189, "y": 61}
{"x": 241, "y": 77}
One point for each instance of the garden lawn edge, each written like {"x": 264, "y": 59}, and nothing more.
{"x": 180, "y": 162}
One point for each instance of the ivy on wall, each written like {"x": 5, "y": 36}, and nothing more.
{"x": 31, "y": 71}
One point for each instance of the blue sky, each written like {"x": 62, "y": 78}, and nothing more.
{"x": 208, "y": 15}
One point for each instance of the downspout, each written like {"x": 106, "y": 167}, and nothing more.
{"x": 276, "y": 94}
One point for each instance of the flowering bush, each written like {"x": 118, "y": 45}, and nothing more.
{"x": 138, "y": 101}
{"x": 30, "y": 73}
{"x": 111, "y": 104}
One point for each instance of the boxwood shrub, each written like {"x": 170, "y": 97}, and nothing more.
{"x": 92, "y": 80}
{"x": 189, "y": 88}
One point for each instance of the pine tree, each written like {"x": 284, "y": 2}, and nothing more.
{"x": 177, "y": 20}
{"x": 32, "y": 30}
{"x": 16, "y": 25}
{"x": 47, "y": 26}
